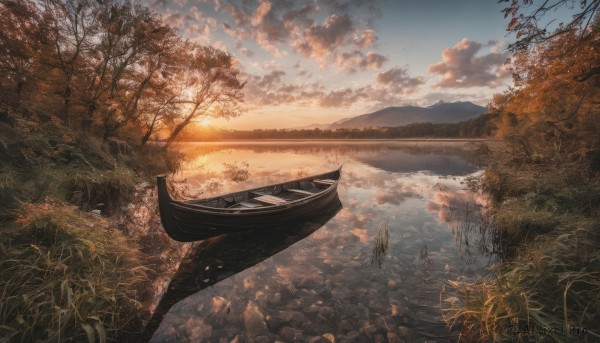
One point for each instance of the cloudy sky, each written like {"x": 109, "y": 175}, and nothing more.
{"x": 318, "y": 61}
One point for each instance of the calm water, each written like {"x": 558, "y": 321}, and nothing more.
{"x": 370, "y": 271}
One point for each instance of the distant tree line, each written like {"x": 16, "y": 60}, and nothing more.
{"x": 479, "y": 127}
{"x": 111, "y": 68}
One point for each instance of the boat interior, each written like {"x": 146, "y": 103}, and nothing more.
{"x": 270, "y": 195}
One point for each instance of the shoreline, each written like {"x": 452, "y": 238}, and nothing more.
{"x": 308, "y": 140}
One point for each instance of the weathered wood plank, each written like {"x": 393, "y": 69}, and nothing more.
{"x": 249, "y": 204}
{"x": 270, "y": 199}
{"x": 326, "y": 182}
{"x": 299, "y": 191}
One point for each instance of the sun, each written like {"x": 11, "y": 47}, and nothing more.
{"x": 205, "y": 122}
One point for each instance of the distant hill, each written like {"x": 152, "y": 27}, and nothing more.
{"x": 442, "y": 112}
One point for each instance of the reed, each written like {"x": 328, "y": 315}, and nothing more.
{"x": 380, "y": 246}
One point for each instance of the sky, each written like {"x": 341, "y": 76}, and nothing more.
{"x": 319, "y": 61}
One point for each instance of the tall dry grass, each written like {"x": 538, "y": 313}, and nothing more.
{"x": 552, "y": 286}
{"x": 547, "y": 287}
{"x": 66, "y": 276}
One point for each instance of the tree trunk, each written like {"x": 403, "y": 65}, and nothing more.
{"x": 145, "y": 138}
{"x": 148, "y": 133}
{"x": 66, "y": 106}
{"x": 87, "y": 121}
{"x": 176, "y": 132}
{"x": 181, "y": 125}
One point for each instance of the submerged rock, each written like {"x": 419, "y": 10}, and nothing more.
{"x": 320, "y": 339}
{"x": 254, "y": 321}
{"x": 289, "y": 334}
{"x": 197, "y": 330}
{"x": 326, "y": 312}
{"x": 295, "y": 319}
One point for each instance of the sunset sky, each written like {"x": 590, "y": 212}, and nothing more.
{"x": 318, "y": 61}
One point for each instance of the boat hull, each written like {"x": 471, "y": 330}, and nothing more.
{"x": 187, "y": 221}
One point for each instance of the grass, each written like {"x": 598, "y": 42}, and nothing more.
{"x": 153, "y": 160}
{"x": 113, "y": 188}
{"x": 548, "y": 284}
{"x": 78, "y": 185}
{"x": 8, "y": 182}
{"x": 553, "y": 284}
{"x": 66, "y": 276}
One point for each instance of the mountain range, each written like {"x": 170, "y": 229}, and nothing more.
{"x": 441, "y": 112}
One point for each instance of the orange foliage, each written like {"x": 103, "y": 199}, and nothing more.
{"x": 553, "y": 108}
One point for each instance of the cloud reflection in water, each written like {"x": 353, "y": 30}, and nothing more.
{"x": 325, "y": 283}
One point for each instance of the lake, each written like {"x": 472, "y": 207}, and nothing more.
{"x": 372, "y": 268}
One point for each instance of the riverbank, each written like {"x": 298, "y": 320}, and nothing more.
{"x": 546, "y": 218}
{"x": 82, "y": 252}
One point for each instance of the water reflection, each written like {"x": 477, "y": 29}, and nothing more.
{"x": 326, "y": 284}
{"x": 237, "y": 171}
{"x": 215, "y": 259}
{"x": 465, "y": 212}
{"x": 414, "y": 160}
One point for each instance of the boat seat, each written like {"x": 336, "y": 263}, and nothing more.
{"x": 249, "y": 204}
{"x": 270, "y": 199}
{"x": 299, "y": 191}
{"x": 326, "y": 182}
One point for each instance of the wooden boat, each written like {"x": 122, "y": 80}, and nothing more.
{"x": 251, "y": 209}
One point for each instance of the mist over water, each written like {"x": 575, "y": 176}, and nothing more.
{"x": 371, "y": 271}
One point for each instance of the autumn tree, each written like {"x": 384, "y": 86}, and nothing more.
{"x": 72, "y": 26}
{"x": 164, "y": 72}
{"x": 134, "y": 48}
{"x": 211, "y": 87}
{"x": 23, "y": 38}
{"x": 534, "y": 22}
{"x": 110, "y": 64}
{"x": 551, "y": 54}
{"x": 552, "y": 111}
